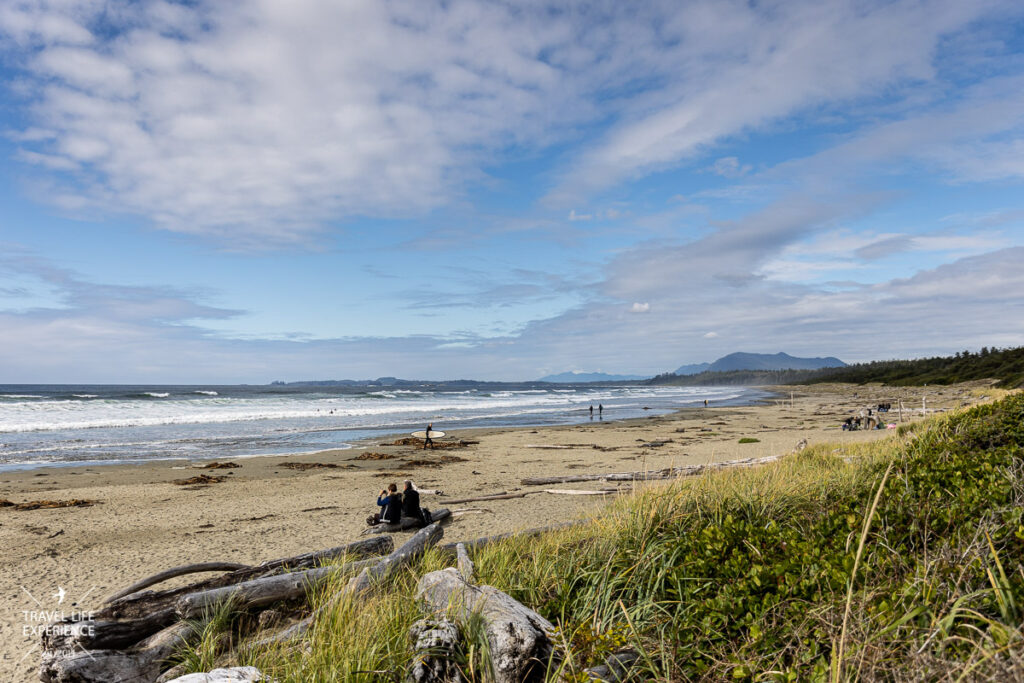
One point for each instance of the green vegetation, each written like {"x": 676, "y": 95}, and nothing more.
{"x": 898, "y": 559}
{"x": 748, "y": 439}
{"x": 1006, "y": 365}
{"x": 736, "y": 378}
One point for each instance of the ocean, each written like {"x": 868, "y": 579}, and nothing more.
{"x": 60, "y": 425}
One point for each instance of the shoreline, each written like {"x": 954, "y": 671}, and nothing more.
{"x": 363, "y": 442}
{"x": 265, "y": 508}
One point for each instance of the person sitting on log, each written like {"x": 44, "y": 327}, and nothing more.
{"x": 390, "y": 502}
{"x": 411, "y": 505}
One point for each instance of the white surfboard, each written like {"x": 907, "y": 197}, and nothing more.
{"x": 422, "y": 434}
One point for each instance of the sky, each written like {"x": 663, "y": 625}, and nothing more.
{"x": 242, "y": 192}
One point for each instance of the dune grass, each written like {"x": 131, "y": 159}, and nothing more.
{"x": 897, "y": 559}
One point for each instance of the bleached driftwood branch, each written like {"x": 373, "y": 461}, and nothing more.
{"x": 175, "y": 572}
{"x": 520, "y": 641}
{"x": 666, "y": 473}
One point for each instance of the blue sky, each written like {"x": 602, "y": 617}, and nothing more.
{"x": 244, "y": 192}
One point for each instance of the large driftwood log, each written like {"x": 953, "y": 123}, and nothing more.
{"x": 435, "y": 643}
{"x": 666, "y": 473}
{"x": 140, "y": 605}
{"x": 174, "y": 572}
{"x": 105, "y": 633}
{"x": 265, "y": 591}
{"x": 237, "y": 674}
{"x": 520, "y": 640}
{"x": 415, "y": 546}
{"x": 439, "y": 515}
{"x": 137, "y": 665}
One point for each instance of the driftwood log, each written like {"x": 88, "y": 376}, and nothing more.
{"x": 132, "y": 632}
{"x": 265, "y": 591}
{"x": 520, "y": 641}
{"x": 405, "y": 523}
{"x": 666, "y": 473}
{"x": 463, "y": 563}
{"x": 435, "y": 644}
{"x": 494, "y": 496}
{"x": 414, "y": 547}
{"x": 175, "y": 572}
{"x": 237, "y": 674}
{"x": 139, "y": 664}
{"x": 523, "y": 494}
{"x": 373, "y": 571}
{"x": 145, "y": 603}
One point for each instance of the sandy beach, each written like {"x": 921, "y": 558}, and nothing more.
{"x": 142, "y": 522}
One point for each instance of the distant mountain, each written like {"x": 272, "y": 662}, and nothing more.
{"x": 767, "y": 361}
{"x": 692, "y": 369}
{"x": 580, "y": 377}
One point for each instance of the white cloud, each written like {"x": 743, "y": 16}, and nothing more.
{"x": 769, "y": 62}
{"x": 638, "y": 307}
{"x": 711, "y": 335}
{"x": 260, "y": 122}
{"x": 573, "y": 216}
{"x": 730, "y": 167}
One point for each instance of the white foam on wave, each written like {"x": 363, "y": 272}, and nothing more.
{"x": 334, "y": 413}
{"x": 85, "y": 395}
{"x": 21, "y": 396}
{"x": 206, "y": 393}
{"x": 157, "y": 394}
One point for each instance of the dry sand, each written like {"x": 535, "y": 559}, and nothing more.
{"x": 143, "y": 523}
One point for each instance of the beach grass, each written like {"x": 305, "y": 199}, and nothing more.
{"x": 895, "y": 559}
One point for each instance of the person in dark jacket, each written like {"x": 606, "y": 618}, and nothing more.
{"x": 390, "y": 502}
{"x": 411, "y": 503}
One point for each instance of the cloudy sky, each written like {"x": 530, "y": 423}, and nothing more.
{"x": 215, "y": 191}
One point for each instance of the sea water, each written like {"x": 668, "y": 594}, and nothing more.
{"x": 52, "y": 425}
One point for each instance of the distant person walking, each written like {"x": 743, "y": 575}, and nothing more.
{"x": 591, "y": 411}
{"x": 600, "y": 409}
{"x": 705, "y": 403}
{"x": 428, "y": 441}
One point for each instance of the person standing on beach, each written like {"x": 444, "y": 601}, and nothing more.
{"x": 591, "y": 411}
{"x": 428, "y": 441}
{"x": 600, "y": 409}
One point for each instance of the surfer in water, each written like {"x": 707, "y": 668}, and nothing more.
{"x": 427, "y": 441}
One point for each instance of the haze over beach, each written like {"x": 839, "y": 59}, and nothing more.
{"x": 593, "y": 247}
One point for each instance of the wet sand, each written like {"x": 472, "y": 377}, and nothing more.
{"x": 142, "y": 522}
